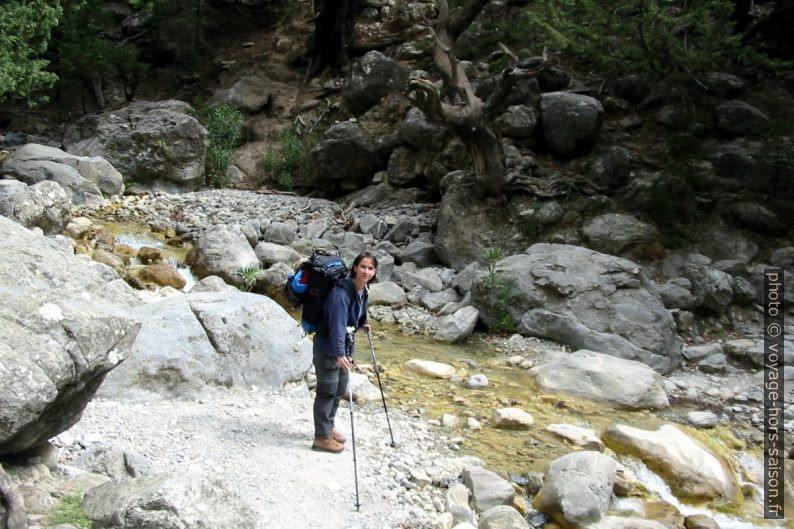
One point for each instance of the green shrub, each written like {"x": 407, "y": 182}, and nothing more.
{"x": 289, "y": 160}
{"x": 674, "y": 39}
{"x": 223, "y": 123}
{"x": 249, "y": 276}
{"x": 503, "y": 295}
{"x": 70, "y": 511}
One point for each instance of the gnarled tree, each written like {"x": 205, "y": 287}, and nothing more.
{"x": 457, "y": 107}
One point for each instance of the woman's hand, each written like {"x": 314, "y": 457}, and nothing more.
{"x": 344, "y": 362}
{"x": 366, "y": 328}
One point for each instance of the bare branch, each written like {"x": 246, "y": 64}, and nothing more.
{"x": 510, "y": 76}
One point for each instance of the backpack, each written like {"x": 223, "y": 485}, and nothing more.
{"x": 310, "y": 285}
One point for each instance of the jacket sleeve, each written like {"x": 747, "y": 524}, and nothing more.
{"x": 336, "y": 309}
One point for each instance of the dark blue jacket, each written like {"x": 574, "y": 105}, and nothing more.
{"x": 341, "y": 309}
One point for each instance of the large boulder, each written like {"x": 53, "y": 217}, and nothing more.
{"x": 687, "y": 466}
{"x": 84, "y": 178}
{"x": 418, "y": 132}
{"x": 248, "y": 94}
{"x": 577, "y": 488}
{"x": 158, "y": 145}
{"x": 190, "y": 344}
{"x": 738, "y": 117}
{"x": 168, "y": 501}
{"x": 346, "y": 157}
{"x": 222, "y": 251}
{"x": 603, "y": 378}
{"x": 489, "y": 223}
{"x": 584, "y": 299}
{"x": 44, "y": 205}
{"x": 571, "y": 122}
{"x": 62, "y": 328}
{"x": 370, "y": 78}
{"x": 619, "y": 234}
{"x": 488, "y": 490}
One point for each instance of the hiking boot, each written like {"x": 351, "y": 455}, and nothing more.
{"x": 327, "y": 444}
{"x": 337, "y": 436}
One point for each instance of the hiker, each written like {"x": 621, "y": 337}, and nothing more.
{"x": 344, "y": 312}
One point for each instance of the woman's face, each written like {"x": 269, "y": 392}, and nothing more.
{"x": 365, "y": 269}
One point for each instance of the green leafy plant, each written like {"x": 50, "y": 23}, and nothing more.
{"x": 502, "y": 294}
{"x": 492, "y": 257}
{"x": 224, "y": 123}
{"x": 249, "y": 276}
{"x": 672, "y": 39}
{"x": 70, "y": 511}
{"x": 25, "y": 29}
{"x": 289, "y": 160}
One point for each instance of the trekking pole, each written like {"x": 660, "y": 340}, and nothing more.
{"x": 382, "y": 396}
{"x": 353, "y": 431}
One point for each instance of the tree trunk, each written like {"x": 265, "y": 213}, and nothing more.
{"x": 335, "y": 21}
{"x": 463, "y": 112}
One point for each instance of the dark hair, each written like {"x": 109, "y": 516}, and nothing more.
{"x": 357, "y": 260}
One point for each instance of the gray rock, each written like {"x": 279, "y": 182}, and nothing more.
{"x": 271, "y": 253}
{"x": 702, "y": 419}
{"x": 434, "y": 301}
{"x": 723, "y": 84}
{"x": 615, "y": 233}
{"x": 422, "y": 254}
{"x": 738, "y": 117}
{"x": 370, "y": 78}
{"x": 62, "y": 328}
{"x": 406, "y": 165}
{"x": 222, "y": 250}
{"x": 164, "y": 501}
{"x": 345, "y": 157}
{"x": 487, "y": 488}
{"x": 386, "y": 293}
{"x": 721, "y": 244}
{"x": 603, "y": 378}
{"x": 158, "y": 145}
{"x": 457, "y": 326}
{"x": 783, "y": 257}
{"x": 373, "y": 225}
{"x": 478, "y": 381}
{"x": 577, "y": 488}
{"x": 280, "y": 233}
{"x": 463, "y": 281}
{"x": 675, "y": 297}
{"x": 757, "y": 217}
{"x": 249, "y": 94}
{"x": 457, "y": 504}
{"x": 696, "y": 353}
{"x": 83, "y": 178}
{"x": 44, "y": 205}
{"x": 571, "y": 122}
{"x": 418, "y": 132}
{"x": 502, "y": 517}
{"x": 410, "y": 277}
{"x": 715, "y": 363}
{"x": 113, "y": 462}
{"x": 518, "y": 121}
{"x": 212, "y": 284}
{"x": 591, "y": 301}
{"x": 710, "y": 287}
{"x": 190, "y": 344}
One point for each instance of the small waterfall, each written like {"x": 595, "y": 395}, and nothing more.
{"x": 654, "y": 483}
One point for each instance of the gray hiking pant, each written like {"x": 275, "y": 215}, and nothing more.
{"x": 331, "y": 385}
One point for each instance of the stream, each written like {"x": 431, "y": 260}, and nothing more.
{"x": 515, "y": 452}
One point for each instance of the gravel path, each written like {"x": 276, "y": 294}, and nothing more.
{"x": 259, "y": 443}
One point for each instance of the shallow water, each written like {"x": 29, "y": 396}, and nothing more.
{"x": 518, "y": 452}
{"x": 136, "y": 237}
